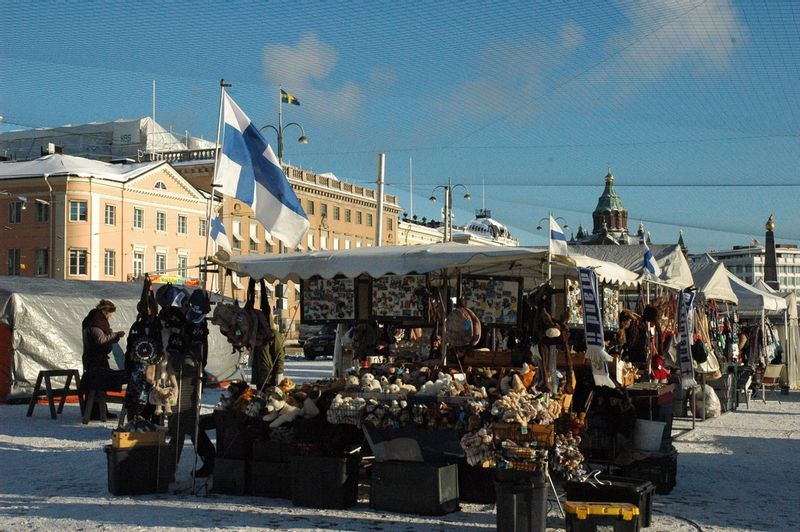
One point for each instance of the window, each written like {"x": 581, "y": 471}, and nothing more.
{"x": 77, "y": 261}
{"x": 15, "y": 212}
{"x": 369, "y": 220}
{"x": 14, "y": 261}
{"x": 183, "y": 265}
{"x": 182, "y": 224}
{"x": 110, "y": 215}
{"x": 336, "y": 213}
{"x": 138, "y": 218}
{"x": 310, "y": 241}
{"x": 161, "y": 221}
{"x": 202, "y": 227}
{"x": 323, "y": 241}
{"x": 323, "y": 209}
{"x": 254, "y": 240}
{"x": 309, "y": 207}
{"x": 347, "y": 215}
{"x": 347, "y": 243}
{"x": 109, "y": 262}
{"x": 42, "y": 212}
{"x": 42, "y": 261}
{"x": 358, "y": 217}
{"x": 237, "y": 234}
{"x": 389, "y": 223}
{"x": 358, "y": 243}
{"x": 161, "y": 262}
{"x": 160, "y": 185}
{"x": 138, "y": 263}
{"x": 336, "y": 242}
{"x": 77, "y": 211}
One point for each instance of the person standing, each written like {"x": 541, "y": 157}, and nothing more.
{"x": 98, "y": 342}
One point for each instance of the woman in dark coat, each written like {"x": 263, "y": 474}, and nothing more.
{"x": 98, "y": 342}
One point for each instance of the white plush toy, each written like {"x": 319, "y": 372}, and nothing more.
{"x": 165, "y": 388}
{"x": 280, "y": 409}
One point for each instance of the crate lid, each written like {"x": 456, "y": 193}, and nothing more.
{"x": 583, "y": 509}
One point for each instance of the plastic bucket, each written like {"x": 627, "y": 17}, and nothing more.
{"x": 648, "y": 434}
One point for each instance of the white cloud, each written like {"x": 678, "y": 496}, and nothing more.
{"x": 302, "y": 68}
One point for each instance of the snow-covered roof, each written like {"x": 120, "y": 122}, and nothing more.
{"x": 59, "y": 165}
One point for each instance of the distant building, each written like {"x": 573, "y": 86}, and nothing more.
{"x": 609, "y": 221}
{"x": 485, "y": 230}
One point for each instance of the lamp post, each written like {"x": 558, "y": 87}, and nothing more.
{"x": 448, "y": 204}
{"x": 281, "y": 128}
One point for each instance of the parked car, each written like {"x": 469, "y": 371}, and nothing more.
{"x": 306, "y": 332}
{"x": 321, "y": 344}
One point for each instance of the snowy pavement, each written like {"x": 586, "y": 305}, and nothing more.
{"x": 736, "y": 472}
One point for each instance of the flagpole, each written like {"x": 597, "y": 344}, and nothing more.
{"x": 280, "y": 127}
{"x": 549, "y": 252}
{"x": 217, "y": 151}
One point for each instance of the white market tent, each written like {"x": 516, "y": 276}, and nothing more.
{"x": 753, "y": 300}
{"x": 40, "y": 328}
{"x": 675, "y": 272}
{"x": 526, "y": 262}
{"x": 711, "y": 279}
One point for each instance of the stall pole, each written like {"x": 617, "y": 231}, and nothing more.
{"x": 339, "y": 368}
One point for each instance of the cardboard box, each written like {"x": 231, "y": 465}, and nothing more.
{"x": 126, "y": 440}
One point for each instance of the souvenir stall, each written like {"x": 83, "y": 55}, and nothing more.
{"x": 478, "y": 397}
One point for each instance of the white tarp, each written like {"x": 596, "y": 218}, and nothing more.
{"x": 675, "y": 271}
{"x": 711, "y": 279}
{"x": 528, "y": 263}
{"x": 45, "y": 316}
{"x": 751, "y": 299}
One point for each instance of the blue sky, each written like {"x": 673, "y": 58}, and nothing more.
{"x": 694, "y": 104}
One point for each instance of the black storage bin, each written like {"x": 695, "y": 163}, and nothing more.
{"x": 230, "y": 476}
{"x": 139, "y": 470}
{"x": 521, "y": 501}
{"x": 270, "y": 451}
{"x": 659, "y": 468}
{"x": 414, "y": 487}
{"x": 324, "y": 482}
{"x": 271, "y": 479}
{"x": 615, "y": 489}
{"x": 234, "y": 441}
{"x": 476, "y": 484}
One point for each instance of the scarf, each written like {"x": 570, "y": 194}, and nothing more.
{"x": 97, "y": 319}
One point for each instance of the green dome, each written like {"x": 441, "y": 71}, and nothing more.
{"x": 609, "y": 201}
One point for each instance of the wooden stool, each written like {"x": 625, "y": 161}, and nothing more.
{"x": 49, "y": 391}
{"x": 102, "y": 400}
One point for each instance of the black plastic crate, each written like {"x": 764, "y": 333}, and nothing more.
{"x": 234, "y": 440}
{"x": 324, "y": 482}
{"x": 139, "y": 470}
{"x": 414, "y": 487}
{"x": 265, "y": 450}
{"x": 230, "y": 477}
{"x": 476, "y": 484}
{"x": 659, "y": 468}
{"x": 615, "y": 489}
{"x": 271, "y": 479}
{"x": 521, "y": 500}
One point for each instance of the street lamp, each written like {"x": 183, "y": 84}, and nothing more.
{"x": 540, "y": 226}
{"x": 280, "y": 130}
{"x": 448, "y": 204}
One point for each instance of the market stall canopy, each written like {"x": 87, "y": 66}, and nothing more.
{"x": 675, "y": 271}
{"x": 751, "y": 299}
{"x": 526, "y": 262}
{"x": 711, "y": 279}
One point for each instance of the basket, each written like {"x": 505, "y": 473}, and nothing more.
{"x": 524, "y": 466}
{"x": 346, "y": 414}
{"x": 543, "y": 435}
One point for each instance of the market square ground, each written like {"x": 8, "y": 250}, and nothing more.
{"x": 736, "y": 472}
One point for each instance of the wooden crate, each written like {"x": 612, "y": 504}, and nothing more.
{"x": 543, "y": 435}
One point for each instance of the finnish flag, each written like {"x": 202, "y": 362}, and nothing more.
{"x": 650, "y": 263}
{"x": 558, "y": 240}
{"x": 248, "y": 170}
{"x": 218, "y": 233}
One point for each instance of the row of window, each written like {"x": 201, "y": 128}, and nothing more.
{"x": 15, "y": 209}
{"x": 323, "y": 211}
{"x": 78, "y": 260}
{"x": 78, "y": 212}
{"x": 41, "y": 262}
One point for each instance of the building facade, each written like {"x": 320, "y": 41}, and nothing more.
{"x": 73, "y": 218}
{"x": 747, "y": 263}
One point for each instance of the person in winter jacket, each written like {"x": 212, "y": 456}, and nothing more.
{"x": 268, "y": 363}
{"x": 98, "y": 342}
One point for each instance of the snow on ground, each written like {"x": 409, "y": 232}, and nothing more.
{"x": 736, "y": 472}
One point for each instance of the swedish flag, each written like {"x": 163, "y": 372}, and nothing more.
{"x": 288, "y": 98}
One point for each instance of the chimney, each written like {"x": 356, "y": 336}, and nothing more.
{"x": 770, "y": 257}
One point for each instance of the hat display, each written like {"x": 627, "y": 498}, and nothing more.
{"x": 199, "y": 306}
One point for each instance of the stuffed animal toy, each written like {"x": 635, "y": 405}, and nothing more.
{"x": 308, "y": 408}
{"x": 257, "y": 405}
{"x": 240, "y": 405}
{"x": 165, "y": 388}
{"x": 280, "y": 409}
{"x": 231, "y": 393}
{"x": 286, "y": 385}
